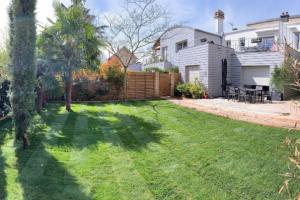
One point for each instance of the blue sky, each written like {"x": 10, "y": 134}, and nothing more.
{"x": 196, "y": 13}
{"x": 199, "y": 13}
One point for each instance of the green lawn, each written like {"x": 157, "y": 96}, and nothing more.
{"x": 143, "y": 150}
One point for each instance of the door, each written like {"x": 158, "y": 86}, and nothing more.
{"x": 255, "y": 75}
{"x": 164, "y": 85}
{"x": 192, "y": 73}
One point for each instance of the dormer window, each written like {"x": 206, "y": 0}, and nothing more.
{"x": 228, "y": 43}
{"x": 203, "y": 40}
{"x": 242, "y": 42}
{"x": 181, "y": 45}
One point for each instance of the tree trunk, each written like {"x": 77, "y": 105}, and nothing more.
{"x": 26, "y": 142}
{"x": 40, "y": 97}
{"x": 125, "y": 84}
{"x": 68, "y": 92}
{"x": 44, "y": 102}
{"x": 23, "y": 66}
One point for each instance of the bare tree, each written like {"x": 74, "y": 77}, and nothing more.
{"x": 139, "y": 24}
{"x": 295, "y": 70}
{"x": 292, "y": 66}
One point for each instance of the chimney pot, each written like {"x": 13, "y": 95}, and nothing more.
{"x": 219, "y": 22}
{"x": 285, "y": 16}
{"x": 219, "y": 14}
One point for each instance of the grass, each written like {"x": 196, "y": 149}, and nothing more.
{"x": 143, "y": 150}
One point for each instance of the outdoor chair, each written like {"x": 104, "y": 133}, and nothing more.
{"x": 243, "y": 95}
{"x": 267, "y": 95}
{"x": 259, "y": 93}
{"x": 232, "y": 93}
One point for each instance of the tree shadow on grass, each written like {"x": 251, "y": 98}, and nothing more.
{"x": 129, "y": 131}
{"x": 41, "y": 175}
{"x": 5, "y": 128}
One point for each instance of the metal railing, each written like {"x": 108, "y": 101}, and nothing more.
{"x": 253, "y": 45}
{"x": 153, "y": 59}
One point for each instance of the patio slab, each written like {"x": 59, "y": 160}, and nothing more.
{"x": 284, "y": 114}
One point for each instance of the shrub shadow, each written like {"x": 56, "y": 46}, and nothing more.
{"x": 41, "y": 175}
{"x": 125, "y": 130}
{"x": 5, "y": 129}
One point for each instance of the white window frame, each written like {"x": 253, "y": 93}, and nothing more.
{"x": 228, "y": 43}
{"x": 164, "y": 53}
{"x": 181, "y": 45}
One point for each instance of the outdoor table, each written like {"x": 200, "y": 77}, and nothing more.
{"x": 253, "y": 93}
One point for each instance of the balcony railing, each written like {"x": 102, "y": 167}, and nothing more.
{"x": 153, "y": 59}
{"x": 253, "y": 45}
{"x": 162, "y": 65}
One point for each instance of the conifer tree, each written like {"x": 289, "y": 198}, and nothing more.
{"x": 22, "y": 63}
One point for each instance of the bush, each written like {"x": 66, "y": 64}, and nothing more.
{"x": 195, "y": 90}
{"x": 182, "y": 89}
{"x": 4, "y": 99}
{"x": 95, "y": 85}
{"x": 283, "y": 75}
{"x": 54, "y": 87}
{"x": 155, "y": 69}
{"x": 173, "y": 69}
{"x": 115, "y": 78}
{"x": 89, "y": 90}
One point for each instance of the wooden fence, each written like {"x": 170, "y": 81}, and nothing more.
{"x": 141, "y": 85}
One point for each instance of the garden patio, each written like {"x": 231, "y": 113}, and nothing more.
{"x": 143, "y": 150}
{"x": 282, "y": 114}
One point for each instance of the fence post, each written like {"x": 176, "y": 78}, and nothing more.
{"x": 156, "y": 84}
{"x": 172, "y": 84}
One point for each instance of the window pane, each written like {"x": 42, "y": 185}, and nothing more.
{"x": 242, "y": 42}
{"x": 181, "y": 45}
{"x": 228, "y": 43}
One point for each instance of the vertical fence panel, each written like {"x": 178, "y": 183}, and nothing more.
{"x": 140, "y": 85}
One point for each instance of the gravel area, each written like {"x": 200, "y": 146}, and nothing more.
{"x": 285, "y": 114}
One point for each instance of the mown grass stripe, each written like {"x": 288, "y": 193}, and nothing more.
{"x": 182, "y": 151}
{"x": 149, "y": 150}
{"x": 186, "y": 144}
{"x": 76, "y": 158}
{"x": 151, "y": 170}
{"x": 130, "y": 181}
{"x": 32, "y": 163}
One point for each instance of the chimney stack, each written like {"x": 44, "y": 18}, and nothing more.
{"x": 285, "y": 16}
{"x": 219, "y": 22}
{"x": 283, "y": 27}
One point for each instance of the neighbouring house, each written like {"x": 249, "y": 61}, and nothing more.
{"x": 251, "y": 54}
{"x": 127, "y": 57}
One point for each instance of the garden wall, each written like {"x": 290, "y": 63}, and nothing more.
{"x": 140, "y": 85}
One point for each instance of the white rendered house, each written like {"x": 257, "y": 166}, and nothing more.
{"x": 251, "y": 53}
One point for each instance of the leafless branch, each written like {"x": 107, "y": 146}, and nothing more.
{"x": 139, "y": 25}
